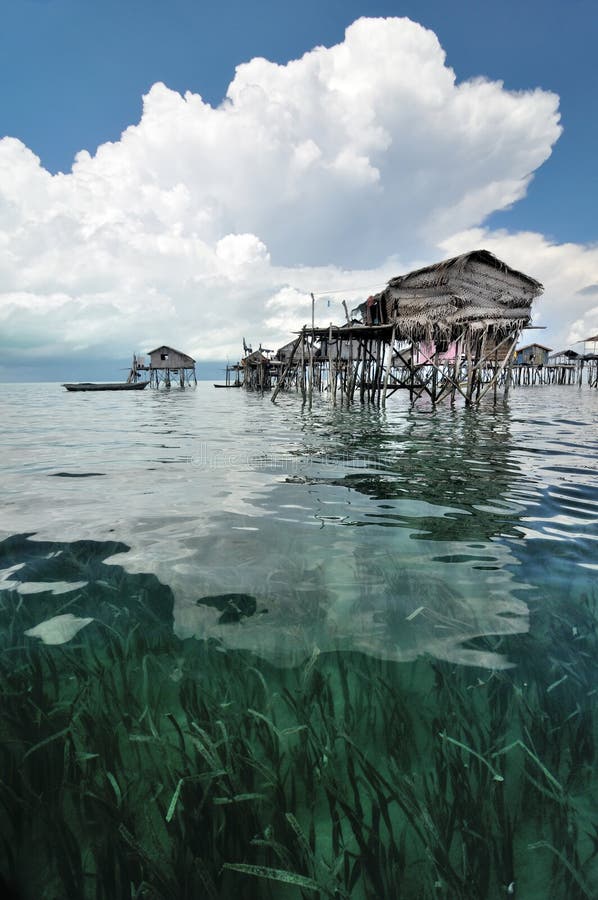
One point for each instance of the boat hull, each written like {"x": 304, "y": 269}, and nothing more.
{"x": 107, "y": 386}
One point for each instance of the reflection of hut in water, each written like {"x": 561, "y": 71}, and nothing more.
{"x": 473, "y": 460}
{"x": 444, "y": 330}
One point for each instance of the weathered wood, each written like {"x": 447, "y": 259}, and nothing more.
{"x": 387, "y": 373}
{"x": 286, "y": 369}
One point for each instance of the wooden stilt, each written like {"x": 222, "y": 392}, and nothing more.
{"x": 388, "y": 364}
{"x": 287, "y": 368}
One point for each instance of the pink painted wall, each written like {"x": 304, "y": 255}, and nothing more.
{"x": 427, "y": 350}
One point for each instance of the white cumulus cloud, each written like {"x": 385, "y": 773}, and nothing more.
{"x": 330, "y": 173}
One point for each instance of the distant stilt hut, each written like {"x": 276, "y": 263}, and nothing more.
{"x": 532, "y": 355}
{"x": 257, "y": 369}
{"x": 167, "y": 365}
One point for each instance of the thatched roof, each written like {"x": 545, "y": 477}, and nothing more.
{"x": 475, "y": 288}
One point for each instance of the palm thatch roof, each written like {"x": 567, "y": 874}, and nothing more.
{"x": 475, "y": 289}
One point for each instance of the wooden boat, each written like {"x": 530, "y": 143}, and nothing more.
{"x": 227, "y": 385}
{"x": 107, "y": 386}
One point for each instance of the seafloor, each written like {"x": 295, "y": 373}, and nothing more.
{"x": 138, "y": 764}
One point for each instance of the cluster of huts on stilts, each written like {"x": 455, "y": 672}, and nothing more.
{"x": 445, "y": 331}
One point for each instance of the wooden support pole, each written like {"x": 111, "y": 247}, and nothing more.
{"x": 381, "y": 357}
{"x": 480, "y": 360}
{"x": 495, "y": 378}
{"x": 302, "y": 362}
{"x": 505, "y": 366}
{"x": 389, "y": 364}
{"x": 469, "y": 388}
{"x": 363, "y": 374}
{"x": 374, "y": 344}
{"x": 355, "y": 373}
{"x": 288, "y": 366}
{"x": 330, "y": 355}
{"x": 435, "y": 373}
{"x": 412, "y": 370}
{"x": 508, "y": 366}
{"x": 336, "y": 366}
{"x": 348, "y": 373}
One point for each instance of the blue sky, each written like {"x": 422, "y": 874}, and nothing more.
{"x": 74, "y": 73}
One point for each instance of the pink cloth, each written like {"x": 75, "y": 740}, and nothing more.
{"x": 427, "y": 349}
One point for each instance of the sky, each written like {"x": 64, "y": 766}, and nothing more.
{"x": 188, "y": 173}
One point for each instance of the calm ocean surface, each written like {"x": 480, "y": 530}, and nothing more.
{"x": 253, "y": 650}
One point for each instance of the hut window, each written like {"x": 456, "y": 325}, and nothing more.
{"x": 164, "y": 356}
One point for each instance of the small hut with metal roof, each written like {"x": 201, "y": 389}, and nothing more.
{"x": 167, "y": 364}
{"x": 532, "y": 355}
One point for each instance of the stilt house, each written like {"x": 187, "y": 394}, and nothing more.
{"x": 442, "y": 330}
{"x": 563, "y": 358}
{"x": 166, "y": 362}
{"x": 532, "y": 355}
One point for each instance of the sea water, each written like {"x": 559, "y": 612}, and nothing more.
{"x": 262, "y": 650}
